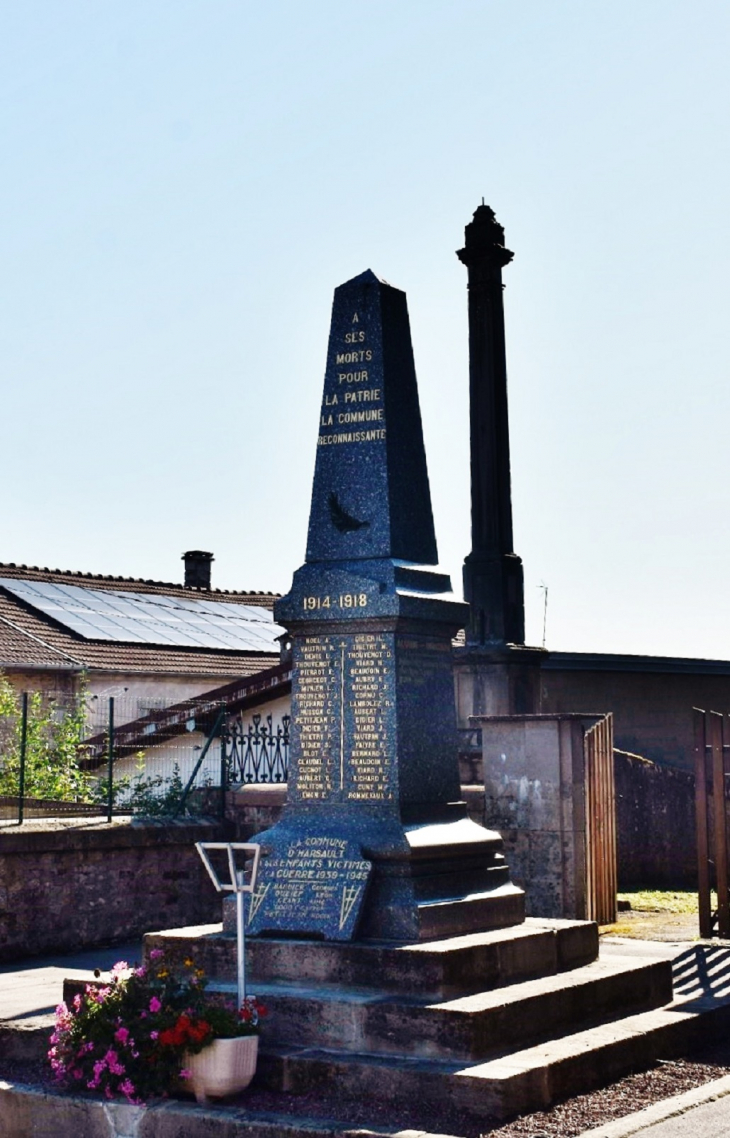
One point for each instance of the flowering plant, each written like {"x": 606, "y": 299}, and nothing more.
{"x": 129, "y": 1037}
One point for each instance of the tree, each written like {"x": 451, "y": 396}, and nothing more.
{"x": 54, "y": 735}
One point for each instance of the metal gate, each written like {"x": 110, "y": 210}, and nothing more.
{"x": 601, "y": 857}
{"x": 712, "y": 742}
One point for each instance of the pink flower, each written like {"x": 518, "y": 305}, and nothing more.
{"x": 122, "y": 1035}
{"x": 185, "y": 1074}
{"x": 154, "y": 1034}
{"x": 112, "y": 1061}
{"x": 155, "y": 1004}
{"x": 128, "y": 1090}
{"x": 156, "y": 954}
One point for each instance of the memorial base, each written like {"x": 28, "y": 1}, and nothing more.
{"x": 451, "y": 880}
{"x": 420, "y": 880}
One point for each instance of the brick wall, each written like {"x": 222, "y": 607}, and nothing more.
{"x": 67, "y": 887}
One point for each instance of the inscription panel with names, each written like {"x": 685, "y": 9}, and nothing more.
{"x": 344, "y": 707}
{"x": 313, "y": 884}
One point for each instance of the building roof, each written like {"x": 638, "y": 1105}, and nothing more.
{"x": 616, "y": 662}
{"x": 32, "y": 640}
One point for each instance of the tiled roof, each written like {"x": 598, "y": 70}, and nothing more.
{"x": 30, "y": 640}
{"x": 136, "y": 584}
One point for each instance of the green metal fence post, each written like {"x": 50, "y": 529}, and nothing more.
{"x": 213, "y": 735}
{"x": 224, "y": 768}
{"x": 23, "y": 747}
{"x": 110, "y": 775}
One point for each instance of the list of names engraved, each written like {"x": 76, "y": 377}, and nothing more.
{"x": 370, "y": 662}
{"x": 319, "y": 692}
{"x": 344, "y": 706}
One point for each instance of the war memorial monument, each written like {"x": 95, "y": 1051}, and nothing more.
{"x": 385, "y": 934}
{"x": 375, "y": 842}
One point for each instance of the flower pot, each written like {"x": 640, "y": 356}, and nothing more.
{"x": 222, "y": 1068}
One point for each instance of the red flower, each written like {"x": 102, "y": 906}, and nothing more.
{"x": 185, "y": 1031}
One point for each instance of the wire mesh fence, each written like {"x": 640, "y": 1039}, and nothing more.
{"x": 63, "y": 753}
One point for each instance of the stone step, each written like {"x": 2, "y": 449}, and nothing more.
{"x": 515, "y": 1082}
{"x": 436, "y": 970}
{"x": 465, "y": 1028}
{"x": 26, "y": 1039}
{"x": 44, "y": 1111}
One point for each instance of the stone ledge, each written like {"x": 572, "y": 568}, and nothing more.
{"x": 26, "y": 1109}
{"x": 80, "y": 834}
{"x": 259, "y": 794}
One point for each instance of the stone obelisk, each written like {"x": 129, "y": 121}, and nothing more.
{"x": 375, "y": 841}
{"x": 496, "y": 673}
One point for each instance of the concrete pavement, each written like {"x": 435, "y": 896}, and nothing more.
{"x": 30, "y": 988}
{"x": 700, "y": 1113}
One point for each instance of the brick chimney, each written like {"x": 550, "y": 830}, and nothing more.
{"x": 197, "y": 569}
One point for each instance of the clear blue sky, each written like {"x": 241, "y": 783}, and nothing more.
{"x": 185, "y": 183}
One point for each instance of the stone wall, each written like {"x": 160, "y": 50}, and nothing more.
{"x": 69, "y": 886}
{"x": 535, "y": 797}
{"x": 655, "y": 817}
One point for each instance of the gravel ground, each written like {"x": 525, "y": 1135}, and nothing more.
{"x": 571, "y": 1118}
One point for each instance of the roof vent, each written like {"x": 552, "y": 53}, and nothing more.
{"x": 197, "y": 569}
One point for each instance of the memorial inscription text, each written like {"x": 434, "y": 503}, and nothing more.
{"x": 345, "y": 705}
{"x": 351, "y": 399}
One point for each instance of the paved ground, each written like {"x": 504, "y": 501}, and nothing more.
{"x": 709, "y": 1121}
{"x": 34, "y": 987}
{"x": 701, "y": 1113}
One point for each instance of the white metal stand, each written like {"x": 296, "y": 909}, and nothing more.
{"x": 238, "y": 885}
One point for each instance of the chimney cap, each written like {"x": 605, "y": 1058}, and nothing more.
{"x": 198, "y": 554}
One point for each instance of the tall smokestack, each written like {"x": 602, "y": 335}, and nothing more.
{"x": 493, "y": 583}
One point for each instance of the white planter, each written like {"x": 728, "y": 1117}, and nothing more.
{"x": 222, "y": 1068}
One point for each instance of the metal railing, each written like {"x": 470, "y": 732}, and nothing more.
{"x": 256, "y": 751}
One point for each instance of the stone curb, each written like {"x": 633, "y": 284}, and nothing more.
{"x": 31, "y": 1110}
{"x": 661, "y": 1111}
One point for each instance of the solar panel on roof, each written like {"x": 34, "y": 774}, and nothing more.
{"x": 150, "y": 618}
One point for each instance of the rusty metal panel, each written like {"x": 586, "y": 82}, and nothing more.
{"x": 601, "y": 867}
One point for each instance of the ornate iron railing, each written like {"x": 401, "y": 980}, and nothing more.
{"x": 256, "y": 751}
